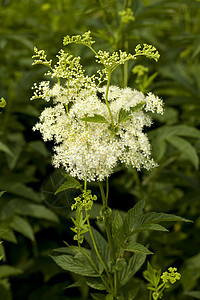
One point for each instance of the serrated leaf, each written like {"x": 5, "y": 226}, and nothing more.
{"x": 136, "y": 248}
{"x": 131, "y": 215}
{"x": 70, "y": 183}
{"x": 186, "y": 148}
{"x": 95, "y": 283}
{"x": 118, "y": 229}
{"x": 95, "y": 119}
{"x": 78, "y": 264}
{"x": 149, "y": 227}
{"x": 134, "y": 264}
{"x": 22, "y": 226}
{"x": 125, "y": 115}
{"x": 154, "y": 217}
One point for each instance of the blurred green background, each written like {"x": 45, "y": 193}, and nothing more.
{"x": 32, "y": 220}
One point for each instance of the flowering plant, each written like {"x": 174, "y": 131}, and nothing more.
{"x": 95, "y": 127}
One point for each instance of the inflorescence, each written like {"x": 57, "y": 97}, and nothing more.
{"x": 95, "y": 127}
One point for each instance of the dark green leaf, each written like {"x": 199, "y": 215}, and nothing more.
{"x": 136, "y": 248}
{"x": 6, "y": 271}
{"x": 95, "y": 283}
{"x": 118, "y": 230}
{"x": 70, "y": 183}
{"x": 134, "y": 264}
{"x": 97, "y": 296}
{"x": 194, "y": 294}
{"x": 132, "y": 214}
{"x": 185, "y": 148}
{"x": 28, "y": 208}
{"x": 78, "y": 264}
{"x": 75, "y": 284}
{"x": 21, "y": 225}
{"x": 125, "y": 115}
{"x": 5, "y": 148}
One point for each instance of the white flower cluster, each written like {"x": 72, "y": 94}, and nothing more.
{"x": 89, "y": 149}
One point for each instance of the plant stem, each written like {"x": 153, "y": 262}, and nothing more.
{"x": 107, "y": 222}
{"x": 92, "y": 262}
{"x": 97, "y": 251}
{"x": 106, "y": 98}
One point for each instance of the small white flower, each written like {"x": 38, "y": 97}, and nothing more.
{"x": 92, "y": 150}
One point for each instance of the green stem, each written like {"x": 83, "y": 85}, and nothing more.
{"x": 106, "y": 98}
{"x": 107, "y": 191}
{"x": 92, "y": 262}
{"x": 115, "y": 283}
{"x": 107, "y": 222}
{"x": 97, "y": 251}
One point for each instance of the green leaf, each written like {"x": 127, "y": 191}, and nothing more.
{"x": 97, "y": 296}
{"x": 1, "y": 193}
{"x": 8, "y": 236}
{"x": 70, "y": 183}
{"x": 131, "y": 288}
{"x": 75, "y": 284}
{"x": 154, "y": 217}
{"x": 95, "y": 119}
{"x": 149, "y": 227}
{"x": 6, "y": 271}
{"x": 134, "y": 264}
{"x": 5, "y": 290}
{"x": 27, "y": 208}
{"x": 38, "y": 147}
{"x": 22, "y": 226}
{"x": 125, "y": 115}
{"x": 130, "y": 217}
{"x": 194, "y": 294}
{"x": 78, "y": 264}
{"x": 19, "y": 189}
{"x": 118, "y": 230}
{"x": 136, "y": 248}
{"x": 95, "y": 283}
{"x": 186, "y": 148}
{"x": 4, "y": 148}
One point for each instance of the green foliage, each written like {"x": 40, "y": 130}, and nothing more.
{"x": 70, "y": 183}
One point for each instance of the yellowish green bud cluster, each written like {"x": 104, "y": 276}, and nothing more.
{"x": 172, "y": 276}
{"x": 41, "y": 58}
{"x": 84, "y": 39}
{"x": 148, "y": 50}
{"x": 127, "y": 16}
{"x": 2, "y": 102}
{"x": 85, "y": 200}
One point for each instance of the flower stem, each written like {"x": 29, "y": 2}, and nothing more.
{"x": 106, "y": 98}
{"x": 107, "y": 221}
{"x": 97, "y": 251}
{"x": 92, "y": 262}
